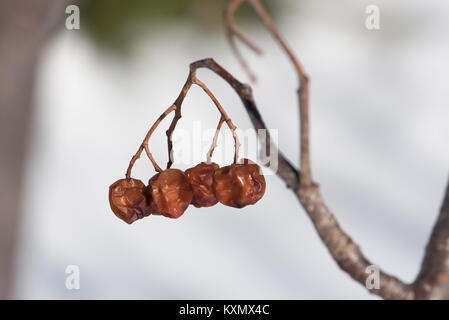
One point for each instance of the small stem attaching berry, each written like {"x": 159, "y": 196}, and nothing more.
{"x": 144, "y": 144}
{"x": 214, "y": 141}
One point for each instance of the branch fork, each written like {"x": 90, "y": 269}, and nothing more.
{"x": 176, "y": 107}
{"x": 433, "y": 279}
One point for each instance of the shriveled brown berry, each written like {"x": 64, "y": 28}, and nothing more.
{"x": 239, "y": 185}
{"x": 170, "y": 193}
{"x": 128, "y": 201}
{"x": 201, "y": 178}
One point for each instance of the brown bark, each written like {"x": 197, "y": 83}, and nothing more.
{"x": 342, "y": 248}
{"x": 433, "y": 279}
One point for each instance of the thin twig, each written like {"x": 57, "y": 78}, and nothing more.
{"x": 192, "y": 79}
{"x": 224, "y": 116}
{"x": 239, "y": 33}
{"x": 286, "y": 170}
{"x": 303, "y": 91}
{"x": 178, "y": 102}
{"x": 214, "y": 141}
{"x": 232, "y": 30}
{"x": 144, "y": 145}
{"x": 342, "y": 248}
{"x": 269, "y": 23}
{"x": 176, "y": 106}
{"x": 432, "y": 281}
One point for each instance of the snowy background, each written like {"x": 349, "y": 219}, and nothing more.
{"x": 379, "y": 112}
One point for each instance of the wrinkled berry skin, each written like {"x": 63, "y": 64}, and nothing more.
{"x": 128, "y": 201}
{"x": 239, "y": 185}
{"x": 170, "y": 193}
{"x": 201, "y": 178}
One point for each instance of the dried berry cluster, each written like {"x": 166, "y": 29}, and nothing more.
{"x": 171, "y": 191}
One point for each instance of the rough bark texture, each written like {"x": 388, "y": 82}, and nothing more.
{"x": 24, "y": 28}
{"x": 345, "y": 252}
{"x": 433, "y": 279}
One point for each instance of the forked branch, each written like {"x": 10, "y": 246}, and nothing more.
{"x": 434, "y": 277}
{"x": 144, "y": 145}
{"x": 214, "y": 141}
{"x": 342, "y": 248}
{"x": 176, "y": 106}
{"x": 224, "y": 116}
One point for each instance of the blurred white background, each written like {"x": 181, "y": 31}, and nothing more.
{"x": 379, "y": 112}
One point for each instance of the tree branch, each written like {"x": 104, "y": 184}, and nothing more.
{"x": 342, "y": 248}
{"x": 214, "y": 141}
{"x": 176, "y": 106}
{"x": 344, "y": 251}
{"x": 433, "y": 279}
{"x": 224, "y": 116}
{"x": 144, "y": 144}
{"x": 287, "y": 171}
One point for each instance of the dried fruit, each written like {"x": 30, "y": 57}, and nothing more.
{"x": 201, "y": 178}
{"x": 170, "y": 193}
{"x": 128, "y": 201}
{"x": 239, "y": 184}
